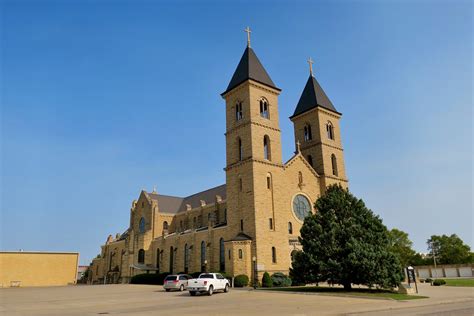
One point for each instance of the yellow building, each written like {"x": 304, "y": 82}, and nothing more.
{"x": 250, "y": 224}
{"x": 31, "y": 268}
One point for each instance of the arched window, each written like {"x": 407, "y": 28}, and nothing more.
{"x": 141, "y": 256}
{"x": 290, "y": 228}
{"x": 225, "y": 215}
{"x": 274, "y": 255}
{"x": 165, "y": 225}
{"x": 334, "y": 164}
{"x": 171, "y": 259}
{"x": 194, "y": 222}
{"x": 141, "y": 225}
{"x": 308, "y": 135}
{"x": 293, "y": 253}
{"x": 240, "y": 150}
{"x": 266, "y": 148}
{"x": 186, "y": 258}
{"x": 264, "y": 109}
{"x": 241, "y": 254}
{"x": 240, "y": 184}
{"x": 203, "y": 256}
{"x": 310, "y": 160}
{"x": 238, "y": 111}
{"x": 181, "y": 225}
{"x": 269, "y": 182}
{"x": 300, "y": 178}
{"x": 221, "y": 255}
{"x": 330, "y": 130}
{"x": 158, "y": 258}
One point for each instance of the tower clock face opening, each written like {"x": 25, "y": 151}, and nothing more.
{"x": 301, "y": 206}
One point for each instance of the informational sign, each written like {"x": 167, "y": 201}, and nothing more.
{"x": 260, "y": 267}
{"x": 412, "y": 277}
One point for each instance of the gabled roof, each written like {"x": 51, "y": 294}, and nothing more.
{"x": 313, "y": 96}
{"x": 167, "y": 203}
{"x": 241, "y": 237}
{"x": 174, "y": 204}
{"x": 249, "y": 67}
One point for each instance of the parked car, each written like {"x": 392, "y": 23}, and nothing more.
{"x": 176, "y": 282}
{"x": 208, "y": 283}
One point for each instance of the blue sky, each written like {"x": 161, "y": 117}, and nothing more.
{"x": 100, "y": 99}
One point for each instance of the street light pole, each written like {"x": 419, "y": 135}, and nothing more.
{"x": 434, "y": 257}
{"x": 255, "y": 277}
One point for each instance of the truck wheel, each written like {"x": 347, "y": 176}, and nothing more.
{"x": 192, "y": 293}
{"x": 211, "y": 290}
{"x": 226, "y": 288}
{"x": 181, "y": 288}
{"x": 167, "y": 290}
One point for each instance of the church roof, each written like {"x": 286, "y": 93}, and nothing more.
{"x": 313, "y": 96}
{"x": 174, "y": 204}
{"x": 241, "y": 237}
{"x": 249, "y": 67}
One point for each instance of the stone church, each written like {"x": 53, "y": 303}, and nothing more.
{"x": 251, "y": 224}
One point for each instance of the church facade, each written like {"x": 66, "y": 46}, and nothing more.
{"x": 250, "y": 225}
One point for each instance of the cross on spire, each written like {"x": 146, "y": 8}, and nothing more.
{"x": 248, "y": 31}
{"x": 310, "y": 62}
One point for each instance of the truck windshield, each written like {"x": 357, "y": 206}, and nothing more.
{"x": 206, "y": 276}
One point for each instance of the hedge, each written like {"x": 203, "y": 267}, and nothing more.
{"x": 267, "y": 280}
{"x": 149, "y": 278}
{"x": 280, "y": 280}
{"x": 439, "y": 282}
{"x": 241, "y": 280}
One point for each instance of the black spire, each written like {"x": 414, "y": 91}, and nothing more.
{"x": 312, "y": 97}
{"x": 250, "y": 68}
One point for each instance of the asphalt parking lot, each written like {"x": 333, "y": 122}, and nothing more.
{"x": 153, "y": 300}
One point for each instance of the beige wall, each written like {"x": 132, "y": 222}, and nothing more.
{"x": 37, "y": 268}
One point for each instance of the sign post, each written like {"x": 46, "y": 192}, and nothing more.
{"x": 412, "y": 277}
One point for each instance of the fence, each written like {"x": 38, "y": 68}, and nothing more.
{"x": 445, "y": 271}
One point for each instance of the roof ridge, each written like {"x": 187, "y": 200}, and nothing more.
{"x": 205, "y": 191}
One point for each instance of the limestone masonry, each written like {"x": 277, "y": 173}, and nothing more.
{"x": 250, "y": 224}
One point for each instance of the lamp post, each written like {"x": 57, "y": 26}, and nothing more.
{"x": 255, "y": 277}
{"x": 205, "y": 265}
{"x": 433, "y": 250}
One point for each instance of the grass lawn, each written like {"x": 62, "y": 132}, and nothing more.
{"x": 366, "y": 293}
{"x": 459, "y": 282}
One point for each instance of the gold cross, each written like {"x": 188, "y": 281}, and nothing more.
{"x": 310, "y": 62}
{"x": 248, "y": 35}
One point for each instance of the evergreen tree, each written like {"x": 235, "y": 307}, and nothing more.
{"x": 345, "y": 243}
{"x": 267, "y": 280}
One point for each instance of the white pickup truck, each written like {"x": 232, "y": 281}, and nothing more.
{"x": 208, "y": 283}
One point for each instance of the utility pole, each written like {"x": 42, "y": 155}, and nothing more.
{"x": 433, "y": 250}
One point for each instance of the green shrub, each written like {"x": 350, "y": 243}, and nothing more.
{"x": 195, "y": 274}
{"x": 439, "y": 282}
{"x": 267, "y": 280}
{"x": 280, "y": 280}
{"x": 241, "y": 280}
{"x": 225, "y": 275}
{"x": 428, "y": 280}
{"x": 149, "y": 278}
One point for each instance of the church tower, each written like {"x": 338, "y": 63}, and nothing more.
{"x": 253, "y": 146}
{"x": 317, "y": 130}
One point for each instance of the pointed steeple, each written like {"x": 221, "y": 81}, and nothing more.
{"x": 250, "y": 67}
{"x": 313, "y": 96}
